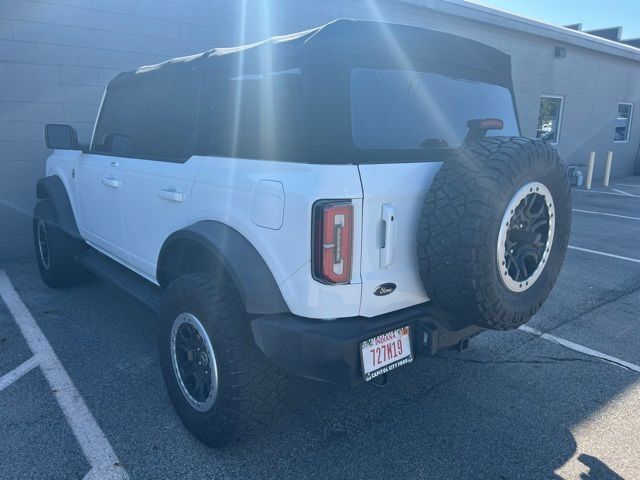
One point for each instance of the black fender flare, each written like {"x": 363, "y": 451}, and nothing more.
{"x": 252, "y": 277}
{"x": 53, "y": 189}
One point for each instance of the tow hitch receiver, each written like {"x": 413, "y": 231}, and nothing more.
{"x": 436, "y": 337}
{"x": 462, "y": 345}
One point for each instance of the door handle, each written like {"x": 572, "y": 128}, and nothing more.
{"x": 111, "y": 182}
{"x": 169, "y": 193}
{"x": 389, "y": 220}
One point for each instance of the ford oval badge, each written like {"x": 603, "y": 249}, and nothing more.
{"x": 384, "y": 289}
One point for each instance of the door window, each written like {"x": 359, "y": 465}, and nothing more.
{"x": 155, "y": 121}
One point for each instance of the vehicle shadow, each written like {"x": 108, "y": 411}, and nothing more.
{"x": 447, "y": 417}
{"x": 598, "y": 470}
{"x": 503, "y": 409}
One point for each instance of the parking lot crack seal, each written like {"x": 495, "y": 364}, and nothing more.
{"x": 613, "y": 299}
{"x": 571, "y": 319}
{"x": 547, "y": 361}
{"x": 582, "y": 349}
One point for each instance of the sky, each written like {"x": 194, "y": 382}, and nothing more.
{"x": 592, "y": 14}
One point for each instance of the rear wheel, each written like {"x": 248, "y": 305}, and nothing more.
{"x": 55, "y": 249}
{"x": 221, "y": 385}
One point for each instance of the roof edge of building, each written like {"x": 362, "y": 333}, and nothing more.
{"x": 499, "y": 18}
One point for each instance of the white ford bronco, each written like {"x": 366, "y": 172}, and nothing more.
{"x": 328, "y": 204}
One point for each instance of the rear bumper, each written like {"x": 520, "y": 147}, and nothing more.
{"x": 329, "y": 350}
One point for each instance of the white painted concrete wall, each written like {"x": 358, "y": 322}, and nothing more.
{"x": 57, "y": 55}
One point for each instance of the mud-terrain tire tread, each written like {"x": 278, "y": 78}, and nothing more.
{"x": 251, "y": 391}
{"x": 63, "y": 269}
{"x": 455, "y": 236}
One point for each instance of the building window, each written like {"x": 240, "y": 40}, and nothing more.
{"x": 550, "y": 118}
{"x": 623, "y": 122}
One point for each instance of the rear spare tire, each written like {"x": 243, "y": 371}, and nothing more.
{"x": 494, "y": 231}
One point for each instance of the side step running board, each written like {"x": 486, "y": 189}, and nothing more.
{"x": 120, "y": 276}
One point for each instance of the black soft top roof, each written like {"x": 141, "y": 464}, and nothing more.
{"x": 337, "y": 38}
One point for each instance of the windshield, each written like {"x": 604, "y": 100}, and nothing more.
{"x": 400, "y": 109}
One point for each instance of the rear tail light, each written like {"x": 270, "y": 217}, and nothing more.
{"x": 332, "y": 241}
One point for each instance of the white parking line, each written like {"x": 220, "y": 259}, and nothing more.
{"x": 582, "y": 349}
{"x": 627, "y": 185}
{"x": 606, "y": 193}
{"x": 623, "y": 192}
{"x": 604, "y": 254}
{"x": 605, "y": 214}
{"x": 18, "y": 372}
{"x": 93, "y": 442}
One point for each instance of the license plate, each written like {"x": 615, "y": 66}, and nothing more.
{"x": 385, "y": 352}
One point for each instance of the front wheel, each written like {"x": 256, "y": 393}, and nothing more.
{"x": 221, "y": 385}
{"x": 55, "y": 249}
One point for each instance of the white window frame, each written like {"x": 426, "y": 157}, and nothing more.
{"x": 630, "y": 119}
{"x": 561, "y": 98}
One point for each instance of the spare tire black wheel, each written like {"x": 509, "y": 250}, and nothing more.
{"x": 494, "y": 231}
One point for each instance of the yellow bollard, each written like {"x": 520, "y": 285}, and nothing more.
{"x": 607, "y": 168}
{"x": 592, "y": 161}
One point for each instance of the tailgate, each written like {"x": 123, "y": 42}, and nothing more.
{"x": 392, "y": 203}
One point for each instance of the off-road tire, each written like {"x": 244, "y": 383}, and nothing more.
{"x": 460, "y": 223}
{"x": 62, "y": 269}
{"x": 251, "y": 390}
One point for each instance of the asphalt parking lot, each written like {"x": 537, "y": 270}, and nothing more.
{"x": 515, "y": 405}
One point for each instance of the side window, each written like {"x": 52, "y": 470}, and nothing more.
{"x": 550, "y": 118}
{"x": 117, "y": 123}
{"x": 156, "y": 121}
{"x": 253, "y": 115}
{"x": 623, "y": 122}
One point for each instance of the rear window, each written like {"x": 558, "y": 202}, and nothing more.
{"x": 409, "y": 110}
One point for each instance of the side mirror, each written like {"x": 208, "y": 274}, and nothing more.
{"x": 61, "y": 137}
